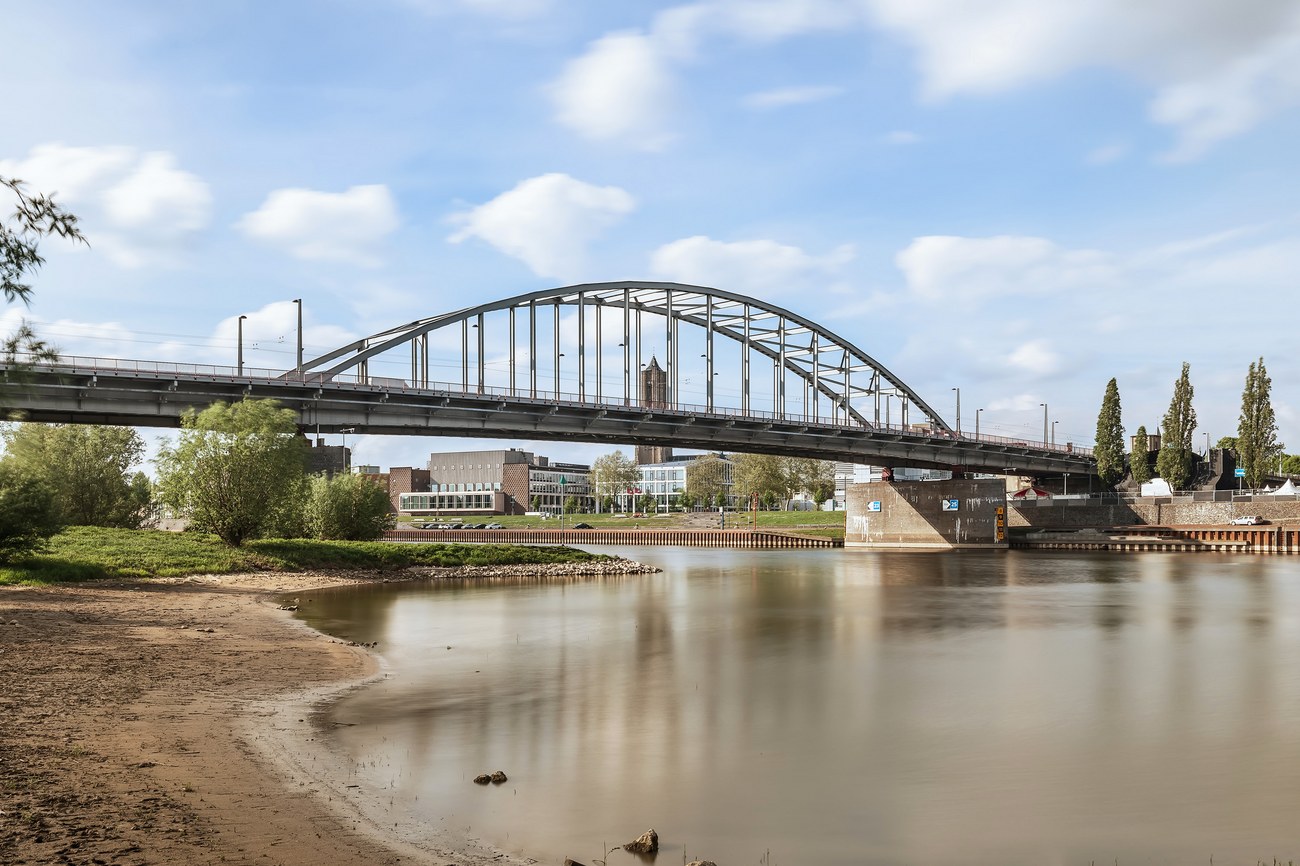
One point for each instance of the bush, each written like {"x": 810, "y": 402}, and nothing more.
{"x": 347, "y": 508}
{"x": 28, "y": 514}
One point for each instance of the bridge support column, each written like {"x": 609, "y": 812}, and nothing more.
{"x": 927, "y": 515}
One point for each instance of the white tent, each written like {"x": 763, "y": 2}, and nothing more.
{"x": 1287, "y": 489}
{"x": 1156, "y": 487}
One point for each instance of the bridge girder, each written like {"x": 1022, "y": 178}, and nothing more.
{"x": 831, "y": 367}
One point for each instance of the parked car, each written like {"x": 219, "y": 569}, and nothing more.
{"x": 494, "y": 526}
{"x": 1248, "y": 520}
{"x": 582, "y": 526}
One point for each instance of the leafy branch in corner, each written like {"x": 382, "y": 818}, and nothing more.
{"x": 36, "y": 216}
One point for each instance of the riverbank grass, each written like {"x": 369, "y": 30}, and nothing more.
{"x": 93, "y": 553}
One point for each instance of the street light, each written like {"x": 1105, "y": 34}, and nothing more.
{"x": 1044, "y": 405}
{"x": 1054, "y": 423}
{"x": 298, "y": 302}
{"x": 977, "y": 422}
{"x": 958, "y": 390}
{"x": 240, "y": 343}
{"x": 347, "y": 463}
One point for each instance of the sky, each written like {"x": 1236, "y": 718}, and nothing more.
{"x": 1014, "y": 198}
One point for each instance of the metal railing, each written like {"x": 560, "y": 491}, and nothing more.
{"x": 88, "y": 365}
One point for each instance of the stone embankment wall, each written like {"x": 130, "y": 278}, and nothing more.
{"x": 1081, "y": 514}
{"x": 912, "y": 515}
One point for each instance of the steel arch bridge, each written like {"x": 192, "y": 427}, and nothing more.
{"x": 839, "y": 381}
{"x": 737, "y": 374}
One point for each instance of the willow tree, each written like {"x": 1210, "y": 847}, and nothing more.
{"x": 1109, "y": 448}
{"x": 1139, "y": 462}
{"x": 1174, "y": 462}
{"x": 1257, "y": 447}
{"x": 86, "y": 468}
{"x": 236, "y": 470}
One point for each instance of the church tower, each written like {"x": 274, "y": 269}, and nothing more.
{"x": 654, "y": 395}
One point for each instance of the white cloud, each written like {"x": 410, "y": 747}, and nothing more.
{"x": 947, "y": 269}
{"x": 1218, "y": 68}
{"x": 1035, "y": 357}
{"x": 784, "y": 96}
{"x": 547, "y": 222}
{"x": 621, "y": 90}
{"x": 138, "y": 208}
{"x": 326, "y": 226}
{"x": 756, "y": 266}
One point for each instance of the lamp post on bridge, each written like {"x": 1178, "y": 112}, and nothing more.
{"x": 347, "y": 461}
{"x": 977, "y": 423}
{"x": 298, "y": 303}
{"x": 958, "y": 390}
{"x": 239, "y": 363}
{"x": 1054, "y": 423}
{"x": 1044, "y": 405}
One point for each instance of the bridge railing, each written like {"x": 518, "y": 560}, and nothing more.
{"x": 87, "y": 365}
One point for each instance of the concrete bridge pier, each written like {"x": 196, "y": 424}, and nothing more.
{"x": 927, "y": 515}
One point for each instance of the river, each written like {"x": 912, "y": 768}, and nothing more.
{"x": 843, "y": 707}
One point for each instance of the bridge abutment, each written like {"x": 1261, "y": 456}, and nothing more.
{"x": 927, "y": 515}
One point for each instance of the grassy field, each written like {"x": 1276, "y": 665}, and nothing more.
{"x": 93, "y": 553}
{"x": 827, "y": 523}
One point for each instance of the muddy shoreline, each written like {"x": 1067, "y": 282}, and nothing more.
{"x": 175, "y": 721}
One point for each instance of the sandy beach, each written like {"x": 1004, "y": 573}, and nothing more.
{"x": 169, "y": 722}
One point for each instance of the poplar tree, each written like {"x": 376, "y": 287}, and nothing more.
{"x": 1174, "y": 461}
{"x": 1257, "y": 446}
{"x": 1138, "y": 460}
{"x": 1109, "y": 448}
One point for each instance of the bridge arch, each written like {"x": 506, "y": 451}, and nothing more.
{"x": 840, "y": 382}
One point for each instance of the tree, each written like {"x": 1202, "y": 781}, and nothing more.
{"x": 1140, "y": 461}
{"x": 648, "y": 503}
{"x": 347, "y": 508}
{"x": 706, "y": 478}
{"x": 236, "y": 468}
{"x": 757, "y": 473}
{"x": 720, "y": 500}
{"x": 86, "y": 468}
{"x": 809, "y": 475}
{"x": 35, "y": 217}
{"x": 1257, "y": 446}
{"x": 537, "y": 503}
{"x": 686, "y": 500}
{"x": 1109, "y": 448}
{"x": 783, "y": 477}
{"x": 572, "y": 505}
{"x": 614, "y": 474}
{"x": 1227, "y": 443}
{"x": 1175, "y": 459}
{"x": 28, "y": 514}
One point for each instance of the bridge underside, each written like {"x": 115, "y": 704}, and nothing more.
{"x": 159, "y": 400}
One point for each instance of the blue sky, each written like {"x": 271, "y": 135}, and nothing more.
{"x": 1015, "y": 198}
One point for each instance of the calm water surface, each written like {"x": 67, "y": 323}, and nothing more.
{"x": 842, "y": 707}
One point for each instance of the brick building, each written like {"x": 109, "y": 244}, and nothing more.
{"x": 507, "y": 481}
